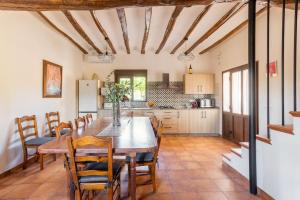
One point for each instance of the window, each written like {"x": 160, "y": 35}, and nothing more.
{"x": 136, "y": 80}
{"x": 236, "y": 92}
{"x": 226, "y": 91}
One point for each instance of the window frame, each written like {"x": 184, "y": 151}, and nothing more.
{"x": 131, "y": 74}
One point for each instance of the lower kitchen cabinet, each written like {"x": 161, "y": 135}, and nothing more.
{"x": 203, "y": 121}
{"x": 183, "y": 121}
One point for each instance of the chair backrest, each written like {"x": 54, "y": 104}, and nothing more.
{"x": 158, "y": 137}
{"x": 80, "y": 122}
{"x": 89, "y": 118}
{"x": 53, "y": 119}
{"x": 155, "y": 124}
{"x": 27, "y": 126}
{"x": 61, "y": 126}
{"x": 76, "y": 159}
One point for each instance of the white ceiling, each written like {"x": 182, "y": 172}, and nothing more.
{"x": 136, "y": 23}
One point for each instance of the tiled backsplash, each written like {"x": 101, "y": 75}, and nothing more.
{"x": 171, "y": 96}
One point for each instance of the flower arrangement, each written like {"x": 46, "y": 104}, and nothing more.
{"x": 115, "y": 93}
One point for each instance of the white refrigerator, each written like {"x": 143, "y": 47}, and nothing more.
{"x": 88, "y": 97}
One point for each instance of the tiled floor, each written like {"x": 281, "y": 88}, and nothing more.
{"x": 189, "y": 168}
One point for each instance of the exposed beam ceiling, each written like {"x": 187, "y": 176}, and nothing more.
{"x": 193, "y": 26}
{"x": 80, "y": 30}
{"x": 34, "y": 5}
{"x": 232, "y": 32}
{"x": 123, "y": 22}
{"x": 61, "y": 32}
{"x": 212, "y": 29}
{"x": 170, "y": 27}
{"x": 148, "y": 15}
{"x": 102, "y": 30}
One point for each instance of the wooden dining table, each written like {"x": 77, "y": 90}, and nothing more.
{"x": 135, "y": 135}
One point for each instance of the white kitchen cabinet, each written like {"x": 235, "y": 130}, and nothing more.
{"x": 199, "y": 83}
{"x": 203, "y": 121}
{"x": 183, "y": 121}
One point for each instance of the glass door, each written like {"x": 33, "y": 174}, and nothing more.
{"x": 235, "y": 104}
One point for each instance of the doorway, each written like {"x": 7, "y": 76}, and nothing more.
{"x": 235, "y": 109}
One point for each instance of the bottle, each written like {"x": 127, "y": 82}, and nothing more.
{"x": 190, "y": 69}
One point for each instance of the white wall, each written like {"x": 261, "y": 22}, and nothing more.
{"x": 234, "y": 52}
{"x": 25, "y": 40}
{"x": 155, "y": 64}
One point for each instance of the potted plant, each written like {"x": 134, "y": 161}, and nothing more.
{"x": 115, "y": 93}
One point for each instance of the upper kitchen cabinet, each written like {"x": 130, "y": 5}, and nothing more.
{"x": 199, "y": 83}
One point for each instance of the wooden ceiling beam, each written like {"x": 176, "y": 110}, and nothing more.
{"x": 170, "y": 27}
{"x": 62, "y": 33}
{"x": 80, "y": 30}
{"x": 35, "y": 5}
{"x": 123, "y": 22}
{"x": 103, "y": 32}
{"x": 148, "y": 15}
{"x": 192, "y": 27}
{"x": 215, "y": 27}
{"x": 232, "y": 32}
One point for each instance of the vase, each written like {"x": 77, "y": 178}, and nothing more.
{"x": 116, "y": 114}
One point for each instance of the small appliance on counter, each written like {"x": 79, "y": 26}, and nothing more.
{"x": 206, "y": 103}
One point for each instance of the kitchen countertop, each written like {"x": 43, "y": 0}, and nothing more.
{"x": 156, "y": 108}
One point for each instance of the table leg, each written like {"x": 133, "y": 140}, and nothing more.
{"x": 132, "y": 166}
{"x": 70, "y": 185}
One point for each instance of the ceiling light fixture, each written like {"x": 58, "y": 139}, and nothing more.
{"x": 186, "y": 57}
{"x": 107, "y": 57}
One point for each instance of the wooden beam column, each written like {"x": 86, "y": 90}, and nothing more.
{"x": 123, "y": 22}
{"x": 80, "y": 30}
{"x": 102, "y": 30}
{"x": 215, "y": 27}
{"x": 170, "y": 27}
{"x": 148, "y": 16}
{"x": 193, "y": 26}
{"x": 62, "y": 33}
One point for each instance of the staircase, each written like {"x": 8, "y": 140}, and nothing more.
{"x": 278, "y": 160}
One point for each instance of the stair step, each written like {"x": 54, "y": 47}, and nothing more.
{"x": 227, "y": 156}
{"x": 245, "y": 144}
{"x": 295, "y": 113}
{"x": 263, "y": 139}
{"x": 282, "y": 128}
{"x": 237, "y": 151}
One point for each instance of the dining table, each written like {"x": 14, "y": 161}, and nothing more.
{"x": 134, "y": 135}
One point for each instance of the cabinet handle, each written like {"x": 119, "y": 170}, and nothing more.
{"x": 201, "y": 114}
{"x": 167, "y": 118}
{"x": 167, "y": 112}
{"x": 168, "y": 127}
{"x": 178, "y": 114}
{"x": 201, "y": 87}
{"x": 205, "y": 113}
{"x": 197, "y": 88}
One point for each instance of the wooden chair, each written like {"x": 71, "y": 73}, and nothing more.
{"x": 89, "y": 118}
{"x": 99, "y": 173}
{"x": 63, "y": 127}
{"x": 148, "y": 159}
{"x": 155, "y": 124}
{"x": 28, "y": 131}
{"x": 53, "y": 119}
{"x": 80, "y": 123}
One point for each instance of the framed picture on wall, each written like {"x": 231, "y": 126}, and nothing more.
{"x": 52, "y": 80}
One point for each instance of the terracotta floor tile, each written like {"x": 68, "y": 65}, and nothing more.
{"x": 212, "y": 196}
{"x": 189, "y": 168}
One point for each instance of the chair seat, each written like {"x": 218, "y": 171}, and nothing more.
{"x": 62, "y": 132}
{"x": 38, "y": 141}
{"x": 142, "y": 157}
{"x": 99, "y": 179}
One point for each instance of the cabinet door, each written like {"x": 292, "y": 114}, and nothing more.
{"x": 190, "y": 84}
{"x": 210, "y": 121}
{"x": 205, "y": 83}
{"x": 183, "y": 121}
{"x": 195, "y": 121}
